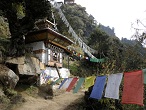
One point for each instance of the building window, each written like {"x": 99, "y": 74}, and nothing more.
{"x": 55, "y": 56}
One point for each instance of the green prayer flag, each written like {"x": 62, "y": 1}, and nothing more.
{"x": 101, "y": 60}
{"x": 144, "y": 74}
{"x": 79, "y": 84}
{"x": 56, "y": 81}
{"x": 94, "y": 60}
{"x": 97, "y": 60}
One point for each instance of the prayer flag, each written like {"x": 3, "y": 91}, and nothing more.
{"x": 97, "y": 60}
{"x": 67, "y": 83}
{"x": 56, "y": 81}
{"x": 79, "y": 84}
{"x": 112, "y": 88}
{"x": 133, "y": 88}
{"x": 144, "y": 74}
{"x": 89, "y": 81}
{"x": 71, "y": 84}
{"x": 98, "y": 87}
{"x": 65, "y": 79}
{"x": 94, "y": 60}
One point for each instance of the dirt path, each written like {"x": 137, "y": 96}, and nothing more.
{"x": 60, "y": 102}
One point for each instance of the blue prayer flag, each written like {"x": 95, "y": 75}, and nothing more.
{"x": 98, "y": 87}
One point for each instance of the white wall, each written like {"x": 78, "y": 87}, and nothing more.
{"x": 43, "y": 57}
{"x": 37, "y": 46}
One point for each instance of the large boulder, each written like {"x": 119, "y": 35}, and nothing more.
{"x": 26, "y": 65}
{"x": 7, "y": 77}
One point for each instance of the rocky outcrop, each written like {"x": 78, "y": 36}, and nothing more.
{"x": 7, "y": 77}
{"x": 27, "y": 68}
{"x": 26, "y": 65}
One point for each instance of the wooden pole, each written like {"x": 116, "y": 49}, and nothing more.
{"x": 68, "y": 63}
{"x": 57, "y": 70}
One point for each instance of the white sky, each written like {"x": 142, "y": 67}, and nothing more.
{"x": 116, "y": 13}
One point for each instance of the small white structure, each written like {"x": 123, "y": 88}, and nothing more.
{"x": 48, "y": 46}
{"x": 47, "y": 55}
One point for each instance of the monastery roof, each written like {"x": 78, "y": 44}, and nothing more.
{"x": 48, "y": 35}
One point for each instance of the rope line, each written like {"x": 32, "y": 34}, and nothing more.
{"x": 85, "y": 47}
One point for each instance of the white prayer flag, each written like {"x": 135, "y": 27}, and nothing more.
{"x": 112, "y": 88}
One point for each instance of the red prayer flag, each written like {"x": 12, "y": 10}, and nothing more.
{"x": 133, "y": 90}
{"x": 72, "y": 84}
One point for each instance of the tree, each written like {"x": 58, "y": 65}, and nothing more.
{"x": 98, "y": 41}
{"x": 134, "y": 55}
{"x": 21, "y": 15}
{"x": 4, "y": 35}
{"x": 140, "y": 33}
{"x": 82, "y": 23}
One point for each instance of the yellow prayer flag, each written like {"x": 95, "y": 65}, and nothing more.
{"x": 49, "y": 81}
{"x": 89, "y": 81}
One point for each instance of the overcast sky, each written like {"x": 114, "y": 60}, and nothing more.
{"x": 116, "y": 13}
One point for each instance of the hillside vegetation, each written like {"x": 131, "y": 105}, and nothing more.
{"x": 18, "y": 17}
{"x": 121, "y": 55}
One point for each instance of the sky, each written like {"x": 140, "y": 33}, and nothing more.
{"x": 120, "y": 14}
